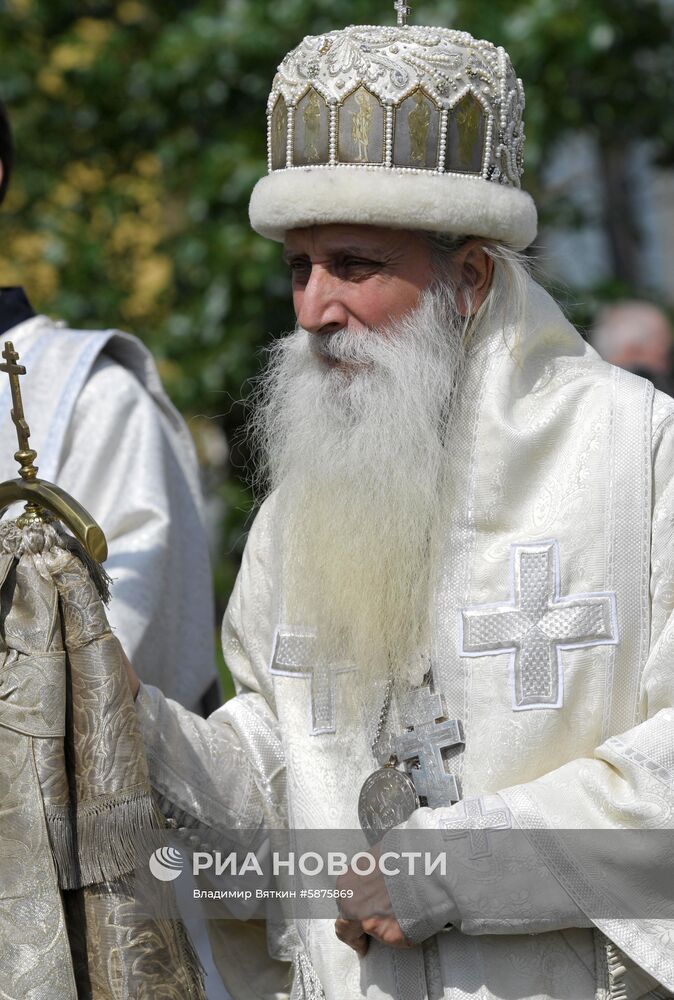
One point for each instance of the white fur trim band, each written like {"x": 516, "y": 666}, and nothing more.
{"x": 382, "y": 196}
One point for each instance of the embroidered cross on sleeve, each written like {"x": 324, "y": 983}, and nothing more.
{"x": 475, "y": 821}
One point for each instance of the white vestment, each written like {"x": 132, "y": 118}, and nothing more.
{"x": 562, "y": 499}
{"x": 105, "y": 431}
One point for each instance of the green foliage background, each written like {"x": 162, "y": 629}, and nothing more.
{"x": 140, "y": 132}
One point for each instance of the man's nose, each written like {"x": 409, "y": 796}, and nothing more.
{"x": 319, "y": 304}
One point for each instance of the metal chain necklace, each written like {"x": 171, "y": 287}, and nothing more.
{"x": 388, "y": 796}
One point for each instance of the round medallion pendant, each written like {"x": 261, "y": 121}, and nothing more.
{"x": 388, "y": 797}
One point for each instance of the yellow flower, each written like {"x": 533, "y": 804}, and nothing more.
{"x": 94, "y": 31}
{"x": 21, "y": 6}
{"x": 148, "y": 165}
{"x": 152, "y": 276}
{"x": 64, "y": 195}
{"x": 50, "y": 81}
{"x": 130, "y": 12}
{"x": 67, "y": 56}
{"x": 131, "y": 234}
{"x": 90, "y": 35}
{"x": 84, "y": 177}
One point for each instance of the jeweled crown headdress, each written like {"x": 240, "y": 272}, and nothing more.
{"x": 405, "y": 126}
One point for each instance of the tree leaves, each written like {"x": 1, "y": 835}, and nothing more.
{"x": 140, "y": 131}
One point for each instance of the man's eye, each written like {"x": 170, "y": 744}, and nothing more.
{"x": 358, "y": 264}
{"x": 299, "y": 268}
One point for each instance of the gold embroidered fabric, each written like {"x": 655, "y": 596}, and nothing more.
{"x": 75, "y": 799}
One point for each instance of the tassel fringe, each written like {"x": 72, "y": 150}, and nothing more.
{"x": 60, "y": 829}
{"x": 306, "y": 984}
{"x": 101, "y": 842}
{"x": 194, "y": 970}
{"x": 617, "y": 987}
{"x": 99, "y": 576}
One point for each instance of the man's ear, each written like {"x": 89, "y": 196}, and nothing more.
{"x": 474, "y": 269}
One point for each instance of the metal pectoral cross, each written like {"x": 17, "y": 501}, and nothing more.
{"x": 403, "y": 11}
{"x": 428, "y": 733}
{"x": 295, "y": 656}
{"x": 25, "y": 456}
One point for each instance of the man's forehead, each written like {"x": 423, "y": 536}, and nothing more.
{"x": 333, "y": 238}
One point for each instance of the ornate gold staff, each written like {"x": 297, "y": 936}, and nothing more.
{"x": 44, "y": 500}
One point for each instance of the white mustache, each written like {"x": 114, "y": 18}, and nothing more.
{"x": 355, "y": 348}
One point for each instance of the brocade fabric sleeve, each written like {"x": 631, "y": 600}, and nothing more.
{"x": 197, "y": 766}
{"x": 226, "y": 772}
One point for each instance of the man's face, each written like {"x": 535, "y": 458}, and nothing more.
{"x": 354, "y": 412}
{"x": 355, "y": 278}
{"x": 652, "y": 352}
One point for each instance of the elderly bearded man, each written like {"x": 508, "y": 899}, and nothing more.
{"x": 464, "y": 557}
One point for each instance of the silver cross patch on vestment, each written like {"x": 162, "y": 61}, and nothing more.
{"x": 295, "y": 656}
{"x": 474, "y": 822}
{"x": 427, "y": 734}
{"x": 537, "y": 624}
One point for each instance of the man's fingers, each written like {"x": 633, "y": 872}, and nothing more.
{"x": 351, "y": 933}
{"x": 357, "y": 934}
{"x": 387, "y": 930}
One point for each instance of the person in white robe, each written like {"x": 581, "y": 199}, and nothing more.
{"x": 106, "y": 432}
{"x": 465, "y": 556}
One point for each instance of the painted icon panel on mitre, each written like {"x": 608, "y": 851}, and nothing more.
{"x": 279, "y": 134}
{"x": 311, "y": 142}
{"x": 361, "y": 129}
{"x": 465, "y": 136}
{"x": 417, "y": 132}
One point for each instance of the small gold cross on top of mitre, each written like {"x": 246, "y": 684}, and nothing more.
{"x": 45, "y": 501}
{"x": 403, "y": 11}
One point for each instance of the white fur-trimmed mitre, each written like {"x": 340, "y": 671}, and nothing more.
{"x": 406, "y": 127}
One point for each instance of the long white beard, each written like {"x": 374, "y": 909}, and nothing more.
{"x": 358, "y": 456}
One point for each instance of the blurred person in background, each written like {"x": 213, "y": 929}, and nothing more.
{"x": 106, "y": 432}
{"x": 636, "y": 336}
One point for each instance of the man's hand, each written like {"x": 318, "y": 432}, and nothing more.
{"x": 351, "y": 933}
{"x": 368, "y": 913}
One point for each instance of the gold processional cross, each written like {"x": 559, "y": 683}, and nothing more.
{"x": 25, "y": 456}
{"x": 44, "y": 501}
